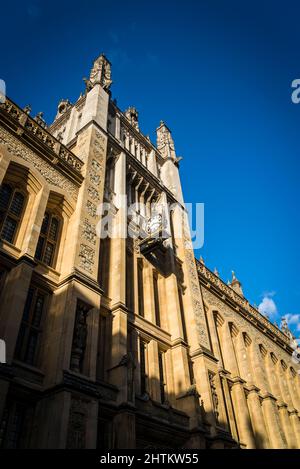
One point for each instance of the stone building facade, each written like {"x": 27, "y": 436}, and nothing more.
{"x": 122, "y": 341}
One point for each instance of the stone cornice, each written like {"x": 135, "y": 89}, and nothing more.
{"x": 19, "y": 123}
{"x": 242, "y": 306}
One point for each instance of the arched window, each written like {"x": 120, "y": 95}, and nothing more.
{"x": 48, "y": 240}
{"x": 12, "y": 202}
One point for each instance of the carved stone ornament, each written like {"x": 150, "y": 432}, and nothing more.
{"x": 51, "y": 175}
{"x": 214, "y": 395}
{"x": 89, "y": 231}
{"x": 210, "y": 277}
{"x": 87, "y": 257}
{"x": 93, "y": 193}
{"x": 165, "y": 143}
{"x": 100, "y": 74}
{"x": 91, "y": 208}
{"x": 79, "y": 337}
{"x": 243, "y": 325}
{"x": 195, "y": 291}
{"x": 77, "y": 424}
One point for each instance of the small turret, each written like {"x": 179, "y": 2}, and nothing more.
{"x": 165, "y": 143}
{"x": 285, "y": 328}
{"x": 63, "y": 106}
{"x": 100, "y": 74}
{"x": 236, "y": 285}
{"x": 133, "y": 116}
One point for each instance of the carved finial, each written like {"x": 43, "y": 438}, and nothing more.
{"x": 202, "y": 260}
{"x": 216, "y": 272}
{"x": 63, "y": 106}
{"x": 164, "y": 141}
{"x": 132, "y": 115}
{"x": 100, "y": 74}
{"x": 40, "y": 120}
{"x": 285, "y": 328}
{"x": 236, "y": 284}
{"x": 27, "y": 109}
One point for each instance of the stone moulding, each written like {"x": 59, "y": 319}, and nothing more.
{"x": 227, "y": 292}
{"x": 46, "y": 169}
{"x": 24, "y": 124}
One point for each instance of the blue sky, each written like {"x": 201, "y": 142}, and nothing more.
{"x": 219, "y": 74}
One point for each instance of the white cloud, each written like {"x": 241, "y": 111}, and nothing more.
{"x": 293, "y": 320}
{"x": 269, "y": 294}
{"x": 267, "y": 306}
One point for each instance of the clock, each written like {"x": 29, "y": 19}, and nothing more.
{"x": 154, "y": 224}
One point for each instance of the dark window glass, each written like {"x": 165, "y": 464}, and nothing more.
{"x": 30, "y": 330}
{"x": 39, "y": 248}
{"x": 47, "y": 242}
{"x": 11, "y": 207}
{"x": 48, "y": 254}
{"x": 5, "y": 195}
{"x": 45, "y": 223}
{"x": 31, "y": 348}
{"x": 53, "y": 229}
{"x": 12, "y": 428}
{"x": 37, "y": 313}
{"x": 17, "y": 204}
{"x": 3, "y": 426}
{"x": 9, "y": 229}
{"x": 28, "y": 304}
{"x": 16, "y": 427}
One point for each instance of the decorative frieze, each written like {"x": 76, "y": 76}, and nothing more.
{"x": 50, "y": 173}
{"x": 242, "y": 324}
{"x": 93, "y": 193}
{"x": 87, "y": 257}
{"x": 96, "y": 165}
{"x": 95, "y": 153}
{"x": 79, "y": 337}
{"x": 99, "y": 145}
{"x": 94, "y": 177}
{"x": 77, "y": 424}
{"x": 30, "y": 125}
{"x": 195, "y": 290}
{"x": 91, "y": 209}
{"x": 213, "y": 279}
{"x": 89, "y": 231}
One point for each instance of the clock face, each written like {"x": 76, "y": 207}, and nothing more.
{"x": 154, "y": 224}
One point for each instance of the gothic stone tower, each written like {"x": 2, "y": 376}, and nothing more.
{"x": 109, "y": 342}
